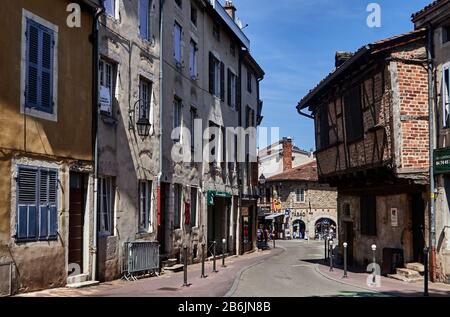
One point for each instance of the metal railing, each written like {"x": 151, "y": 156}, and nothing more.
{"x": 140, "y": 258}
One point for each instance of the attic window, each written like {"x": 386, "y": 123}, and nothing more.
{"x": 445, "y": 34}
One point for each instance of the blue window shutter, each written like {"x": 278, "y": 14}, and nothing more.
{"x": 27, "y": 203}
{"x": 52, "y": 204}
{"x": 22, "y": 222}
{"x": 143, "y": 18}
{"x": 47, "y": 71}
{"x": 32, "y": 225}
{"x": 32, "y": 65}
{"x": 53, "y": 222}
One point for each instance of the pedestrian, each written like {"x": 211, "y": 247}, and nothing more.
{"x": 266, "y": 237}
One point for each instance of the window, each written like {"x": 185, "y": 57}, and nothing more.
{"x": 232, "y": 89}
{"x": 249, "y": 117}
{"x": 177, "y": 34}
{"x": 446, "y": 95}
{"x": 177, "y": 206}
{"x": 37, "y": 216}
{"x": 110, "y": 7}
{"x": 324, "y": 127}
{"x": 179, "y": 3}
{"x": 193, "y": 215}
{"x": 214, "y": 142}
{"x": 249, "y": 81}
{"x": 145, "y": 205}
{"x": 216, "y": 77}
{"x": 193, "y": 49}
{"x": 233, "y": 49}
{"x": 106, "y": 205}
{"x": 144, "y": 18}
{"x": 353, "y": 114}
{"x": 368, "y": 209}
{"x": 193, "y": 117}
{"x": 107, "y": 84}
{"x": 177, "y": 109}
{"x": 194, "y": 13}
{"x": 40, "y": 70}
{"x": 300, "y": 195}
{"x": 145, "y": 91}
{"x": 445, "y": 34}
{"x": 216, "y": 31}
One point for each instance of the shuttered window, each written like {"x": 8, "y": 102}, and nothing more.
{"x": 216, "y": 77}
{"x": 144, "y": 18}
{"x": 37, "y": 217}
{"x": 353, "y": 114}
{"x": 39, "y": 67}
{"x": 446, "y": 96}
{"x": 232, "y": 91}
{"x": 177, "y": 35}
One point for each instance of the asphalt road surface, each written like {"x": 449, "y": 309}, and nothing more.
{"x": 292, "y": 274}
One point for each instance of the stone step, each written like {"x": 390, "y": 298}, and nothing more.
{"x": 405, "y": 279}
{"x": 408, "y": 273}
{"x": 80, "y": 278}
{"x": 175, "y": 268}
{"x": 418, "y": 267}
{"x": 83, "y": 284}
{"x": 169, "y": 262}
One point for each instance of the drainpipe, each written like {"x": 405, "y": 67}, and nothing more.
{"x": 432, "y": 147}
{"x": 98, "y": 13}
{"x": 161, "y": 98}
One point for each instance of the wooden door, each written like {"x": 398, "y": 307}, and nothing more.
{"x": 76, "y": 219}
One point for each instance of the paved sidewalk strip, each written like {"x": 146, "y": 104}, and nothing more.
{"x": 170, "y": 284}
{"x": 388, "y": 286}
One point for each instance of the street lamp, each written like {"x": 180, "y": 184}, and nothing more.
{"x": 374, "y": 249}
{"x": 331, "y": 255}
{"x": 143, "y": 124}
{"x": 345, "y": 260}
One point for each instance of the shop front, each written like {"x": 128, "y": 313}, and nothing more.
{"x": 219, "y": 215}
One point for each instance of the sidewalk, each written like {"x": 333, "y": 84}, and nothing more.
{"x": 389, "y": 287}
{"x": 170, "y": 284}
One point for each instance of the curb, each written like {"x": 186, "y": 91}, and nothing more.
{"x": 316, "y": 268}
{"x": 233, "y": 288}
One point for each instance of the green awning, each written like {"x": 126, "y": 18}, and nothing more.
{"x": 213, "y": 193}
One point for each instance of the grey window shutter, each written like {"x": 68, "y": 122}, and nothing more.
{"x": 229, "y": 87}
{"x": 52, "y": 204}
{"x": 47, "y": 72}
{"x": 222, "y": 81}
{"x": 211, "y": 73}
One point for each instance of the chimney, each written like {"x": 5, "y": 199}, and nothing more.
{"x": 230, "y": 9}
{"x": 287, "y": 154}
{"x": 341, "y": 58}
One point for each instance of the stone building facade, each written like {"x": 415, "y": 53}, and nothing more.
{"x": 371, "y": 122}
{"x": 303, "y": 205}
{"x": 46, "y": 157}
{"x": 436, "y": 18}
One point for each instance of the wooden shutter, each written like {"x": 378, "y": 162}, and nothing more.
{"x": 27, "y": 198}
{"x": 211, "y": 73}
{"x": 47, "y": 72}
{"x": 222, "y": 81}
{"x": 32, "y": 65}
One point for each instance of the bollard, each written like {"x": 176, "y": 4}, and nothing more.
{"x": 331, "y": 255}
{"x": 214, "y": 257}
{"x": 185, "y": 255}
{"x": 345, "y": 260}
{"x": 203, "y": 261}
{"x": 224, "y": 242}
{"x": 326, "y": 247}
{"x": 425, "y": 264}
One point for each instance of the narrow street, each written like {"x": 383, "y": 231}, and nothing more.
{"x": 292, "y": 274}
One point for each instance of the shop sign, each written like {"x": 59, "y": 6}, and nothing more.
{"x": 394, "y": 217}
{"x": 442, "y": 161}
{"x": 276, "y": 205}
{"x": 212, "y": 194}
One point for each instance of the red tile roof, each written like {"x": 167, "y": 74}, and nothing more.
{"x": 306, "y": 172}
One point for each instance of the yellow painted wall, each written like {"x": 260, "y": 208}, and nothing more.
{"x": 70, "y": 136}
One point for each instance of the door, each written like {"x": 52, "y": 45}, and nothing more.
{"x": 162, "y": 218}
{"x": 76, "y": 220}
{"x": 348, "y": 237}
{"x": 418, "y": 219}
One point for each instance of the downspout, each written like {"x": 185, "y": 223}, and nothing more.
{"x": 95, "y": 63}
{"x": 431, "y": 154}
{"x": 161, "y": 98}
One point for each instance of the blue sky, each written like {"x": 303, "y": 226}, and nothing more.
{"x": 295, "y": 42}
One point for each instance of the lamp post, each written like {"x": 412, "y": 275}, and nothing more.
{"x": 224, "y": 242}
{"x": 331, "y": 256}
{"x": 374, "y": 249}
{"x": 345, "y": 260}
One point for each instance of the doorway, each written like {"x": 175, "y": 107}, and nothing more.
{"x": 418, "y": 221}
{"x": 299, "y": 228}
{"x": 162, "y": 218}
{"x": 77, "y": 205}
{"x": 348, "y": 237}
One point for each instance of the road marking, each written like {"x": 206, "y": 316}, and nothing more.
{"x": 303, "y": 265}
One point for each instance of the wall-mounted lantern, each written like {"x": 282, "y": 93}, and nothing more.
{"x": 142, "y": 125}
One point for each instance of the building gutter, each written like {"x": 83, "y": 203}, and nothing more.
{"x": 431, "y": 154}
{"x": 95, "y": 59}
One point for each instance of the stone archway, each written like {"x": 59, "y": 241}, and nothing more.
{"x": 325, "y": 226}
{"x": 298, "y": 229}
